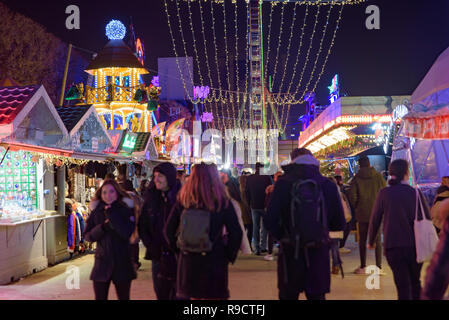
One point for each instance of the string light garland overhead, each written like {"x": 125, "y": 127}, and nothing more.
{"x": 230, "y": 100}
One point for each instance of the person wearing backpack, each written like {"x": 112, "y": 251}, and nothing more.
{"x": 304, "y": 208}
{"x": 395, "y": 207}
{"x": 195, "y": 230}
{"x": 159, "y": 200}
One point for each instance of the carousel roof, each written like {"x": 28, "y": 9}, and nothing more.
{"x": 12, "y": 101}
{"x": 116, "y": 54}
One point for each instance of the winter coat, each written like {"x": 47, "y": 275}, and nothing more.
{"x": 395, "y": 206}
{"x": 437, "y": 274}
{"x": 255, "y": 190}
{"x": 442, "y": 194}
{"x": 246, "y": 211}
{"x": 245, "y": 247}
{"x": 137, "y": 211}
{"x": 113, "y": 254}
{"x": 155, "y": 212}
{"x": 206, "y": 276}
{"x": 294, "y": 274}
{"x": 363, "y": 192}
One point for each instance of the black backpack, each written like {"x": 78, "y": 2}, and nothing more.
{"x": 307, "y": 227}
{"x": 194, "y": 231}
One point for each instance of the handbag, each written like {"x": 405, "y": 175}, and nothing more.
{"x": 426, "y": 238}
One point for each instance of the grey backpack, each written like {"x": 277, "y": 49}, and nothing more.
{"x": 194, "y": 231}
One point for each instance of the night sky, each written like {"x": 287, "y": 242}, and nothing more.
{"x": 389, "y": 61}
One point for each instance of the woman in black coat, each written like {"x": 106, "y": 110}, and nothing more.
{"x": 205, "y": 275}
{"x": 159, "y": 201}
{"x": 395, "y": 206}
{"x": 111, "y": 224}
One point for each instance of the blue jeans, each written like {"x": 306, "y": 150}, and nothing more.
{"x": 257, "y": 243}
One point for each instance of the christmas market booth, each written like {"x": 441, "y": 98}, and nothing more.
{"x": 87, "y": 140}
{"x": 423, "y": 139}
{"x": 30, "y": 129}
{"x": 348, "y": 128}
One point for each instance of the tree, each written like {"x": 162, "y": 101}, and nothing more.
{"x": 30, "y": 55}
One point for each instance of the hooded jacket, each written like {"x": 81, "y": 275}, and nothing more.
{"x": 363, "y": 192}
{"x": 155, "y": 211}
{"x": 293, "y": 274}
{"x": 113, "y": 253}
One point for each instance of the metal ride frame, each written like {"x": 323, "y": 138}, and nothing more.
{"x": 257, "y": 109}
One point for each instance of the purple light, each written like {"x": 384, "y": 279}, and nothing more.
{"x": 155, "y": 81}
{"x": 207, "y": 117}
{"x": 200, "y": 92}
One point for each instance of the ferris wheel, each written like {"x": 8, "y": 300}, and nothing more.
{"x": 271, "y": 85}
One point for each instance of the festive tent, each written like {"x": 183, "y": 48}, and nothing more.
{"x": 423, "y": 139}
{"x": 434, "y": 88}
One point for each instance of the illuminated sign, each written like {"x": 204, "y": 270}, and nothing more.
{"x": 334, "y": 89}
{"x": 140, "y": 51}
{"x": 398, "y": 113}
{"x": 128, "y": 142}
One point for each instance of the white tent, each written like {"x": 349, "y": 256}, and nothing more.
{"x": 423, "y": 138}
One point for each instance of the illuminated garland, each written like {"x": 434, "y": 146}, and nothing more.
{"x": 325, "y": 61}
{"x": 194, "y": 45}
{"x": 299, "y": 49}
{"x": 229, "y": 121}
{"x": 268, "y": 40}
{"x": 304, "y": 2}
{"x": 279, "y": 43}
{"x": 174, "y": 48}
{"x": 288, "y": 48}
{"x": 185, "y": 48}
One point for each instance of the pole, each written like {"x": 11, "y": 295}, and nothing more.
{"x": 60, "y": 174}
{"x": 64, "y": 79}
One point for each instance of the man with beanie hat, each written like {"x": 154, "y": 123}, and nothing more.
{"x": 309, "y": 270}
{"x": 158, "y": 202}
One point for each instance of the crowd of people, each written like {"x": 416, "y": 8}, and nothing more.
{"x": 194, "y": 226}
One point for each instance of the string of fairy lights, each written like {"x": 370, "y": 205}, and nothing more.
{"x": 269, "y": 39}
{"x": 279, "y": 44}
{"x": 228, "y": 100}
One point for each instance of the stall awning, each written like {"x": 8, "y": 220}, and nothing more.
{"x": 32, "y": 148}
{"x": 431, "y": 124}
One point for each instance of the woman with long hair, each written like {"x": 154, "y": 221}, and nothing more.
{"x": 204, "y": 275}
{"x": 396, "y": 206}
{"x": 111, "y": 224}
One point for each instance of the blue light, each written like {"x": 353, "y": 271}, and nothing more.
{"x": 115, "y": 30}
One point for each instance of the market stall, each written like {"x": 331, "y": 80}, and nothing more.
{"x": 423, "y": 138}
{"x": 29, "y": 124}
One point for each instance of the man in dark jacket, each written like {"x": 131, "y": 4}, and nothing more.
{"x": 158, "y": 202}
{"x": 362, "y": 194}
{"x": 294, "y": 276}
{"x": 255, "y": 195}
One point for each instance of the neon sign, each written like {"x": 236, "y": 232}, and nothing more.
{"x": 334, "y": 89}
{"x": 140, "y": 51}
{"x": 129, "y": 142}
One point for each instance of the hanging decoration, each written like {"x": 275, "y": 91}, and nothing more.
{"x": 231, "y": 97}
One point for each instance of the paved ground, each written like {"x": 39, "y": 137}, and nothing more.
{"x": 251, "y": 278}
